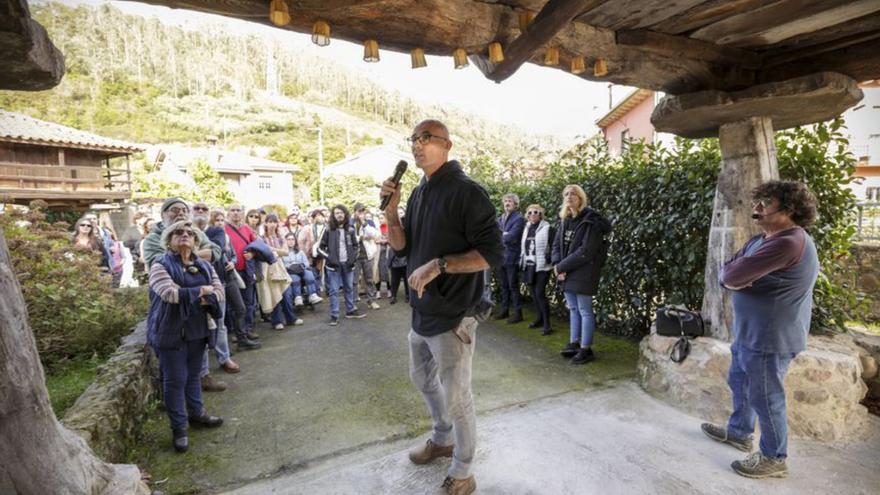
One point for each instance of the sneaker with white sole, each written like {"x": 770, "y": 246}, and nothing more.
{"x": 758, "y": 466}
{"x": 375, "y": 305}
{"x": 315, "y": 299}
{"x": 297, "y": 322}
{"x": 334, "y": 320}
{"x": 298, "y": 301}
{"x": 279, "y": 326}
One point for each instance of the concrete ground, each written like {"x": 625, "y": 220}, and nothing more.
{"x": 617, "y": 440}
{"x": 324, "y": 410}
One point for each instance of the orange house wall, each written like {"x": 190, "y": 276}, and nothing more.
{"x": 637, "y": 120}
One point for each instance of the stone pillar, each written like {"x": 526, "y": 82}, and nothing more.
{"x": 748, "y": 159}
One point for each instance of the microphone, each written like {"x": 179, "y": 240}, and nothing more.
{"x": 398, "y": 173}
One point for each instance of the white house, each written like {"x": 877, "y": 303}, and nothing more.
{"x": 254, "y": 181}
{"x": 863, "y": 124}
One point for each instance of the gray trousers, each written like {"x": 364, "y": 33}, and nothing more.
{"x": 363, "y": 268}
{"x": 440, "y": 367}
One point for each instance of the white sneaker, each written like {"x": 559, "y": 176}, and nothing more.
{"x": 374, "y": 305}
{"x": 279, "y": 327}
{"x": 298, "y": 301}
{"x": 298, "y": 322}
{"x": 315, "y": 299}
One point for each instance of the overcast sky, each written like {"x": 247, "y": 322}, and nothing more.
{"x": 535, "y": 99}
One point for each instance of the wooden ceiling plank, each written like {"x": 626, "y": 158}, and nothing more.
{"x": 680, "y": 46}
{"x": 861, "y": 62}
{"x": 556, "y": 15}
{"x": 792, "y": 55}
{"x": 838, "y": 31}
{"x": 782, "y": 20}
{"x": 706, "y": 13}
{"x": 635, "y": 15}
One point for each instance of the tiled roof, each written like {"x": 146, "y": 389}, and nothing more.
{"x": 621, "y": 109}
{"x": 18, "y": 128}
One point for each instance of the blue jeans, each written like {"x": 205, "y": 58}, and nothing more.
{"x": 581, "y": 318}
{"x": 283, "y": 313}
{"x": 756, "y": 381}
{"x": 508, "y": 278}
{"x": 221, "y": 347}
{"x": 309, "y": 277}
{"x": 181, "y": 385}
{"x": 340, "y": 278}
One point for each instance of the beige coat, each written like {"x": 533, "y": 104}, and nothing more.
{"x": 270, "y": 290}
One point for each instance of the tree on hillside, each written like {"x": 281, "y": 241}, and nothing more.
{"x": 210, "y": 187}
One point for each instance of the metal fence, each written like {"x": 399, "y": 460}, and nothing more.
{"x": 868, "y": 226}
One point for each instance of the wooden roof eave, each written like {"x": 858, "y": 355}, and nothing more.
{"x": 110, "y": 151}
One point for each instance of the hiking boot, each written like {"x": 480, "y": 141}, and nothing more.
{"x": 206, "y": 420}
{"x": 246, "y": 344}
{"x": 315, "y": 299}
{"x": 181, "y": 440}
{"x": 502, "y": 315}
{"x": 455, "y": 486}
{"x": 209, "y": 384}
{"x": 583, "y": 356}
{"x": 719, "y": 434}
{"x": 253, "y": 335}
{"x": 536, "y": 324}
{"x": 570, "y": 350}
{"x": 426, "y": 453}
{"x": 758, "y": 466}
{"x": 334, "y": 320}
{"x": 516, "y": 317}
{"x": 298, "y": 301}
{"x": 375, "y": 305}
{"x": 354, "y": 314}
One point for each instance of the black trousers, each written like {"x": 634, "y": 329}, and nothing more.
{"x": 508, "y": 278}
{"x": 398, "y": 274}
{"x": 235, "y": 310}
{"x": 539, "y": 294}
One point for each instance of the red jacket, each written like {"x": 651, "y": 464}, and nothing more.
{"x": 238, "y": 244}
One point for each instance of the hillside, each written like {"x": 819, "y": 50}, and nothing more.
{"x": 137, "y": 79}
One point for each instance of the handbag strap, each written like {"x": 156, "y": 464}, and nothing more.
{"x": 680, "y": 350}
{"x": 239, "y": 233}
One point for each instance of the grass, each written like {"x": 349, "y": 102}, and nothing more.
{"x": 66, "y": 381}
{"x": 865, "y": 326}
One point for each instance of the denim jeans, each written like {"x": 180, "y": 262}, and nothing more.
{"x": 221, "y": 347}
{"x": 309, "y": 278}
{"x": 440, "y": 367}
{"x": 581, "y": 318}
{"x": 508, "y": 279}
{"x": 181, "y": 387}
{"x": 283, "y": 313}
{"x": 756, "y": 381}
{"x": 340, "y": 278}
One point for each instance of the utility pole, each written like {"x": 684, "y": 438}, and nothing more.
{"x": 320, "y": 163}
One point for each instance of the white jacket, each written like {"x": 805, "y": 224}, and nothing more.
{"x": 368, "y": 236}
{"x": 542, "y": 247}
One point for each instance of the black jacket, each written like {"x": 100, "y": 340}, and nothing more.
{"x": 448, "y": 214}
{"x": 583, "y": 258}
{"x": 329, "y": 246}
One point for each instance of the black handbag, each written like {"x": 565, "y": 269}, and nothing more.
{"x": 676, "y": 321}
{"x": 529, "y": 273}
{"x": 296, "y": 269}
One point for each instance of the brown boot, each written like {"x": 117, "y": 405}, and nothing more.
{"x": 209, "y": 384}
{"x": 455, "y": 486}
{"x": 424, "y": 454}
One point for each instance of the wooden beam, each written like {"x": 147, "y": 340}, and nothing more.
{"x": 860, "y": 62}
{"x": 706, "y": 13}
{"x": 782, "y": 20}
{"x": 811, "y": 51}
{"x": 555, "y": 15}
{"x": 827, "y": 35}
{"x": 30, "y": 61}
{"x": 678, "y": 46}
{"x": 635, "y": 15}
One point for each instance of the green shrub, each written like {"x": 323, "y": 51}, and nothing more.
{"x": 660, "y": 201}
{"x": 71, "y": 308}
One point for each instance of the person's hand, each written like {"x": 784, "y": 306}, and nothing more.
{"x": 205, "y": 290}
{"x": 560, "y": 277}
{"x": 248, "y": 255}
{"x": 393, "y": 189}
{"x": 422, "y": 276}
{"x": 229, "y": 266}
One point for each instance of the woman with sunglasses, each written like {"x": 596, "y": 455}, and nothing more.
{"x": 187, "y": 292}
{"x": 535, "y": 263}
{"x": 86, "y": 237}
{"x": 254, "y": 220}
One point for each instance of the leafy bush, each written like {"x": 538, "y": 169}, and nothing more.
{"x": 660, "y": 201}
{"x": 72, "y": 310}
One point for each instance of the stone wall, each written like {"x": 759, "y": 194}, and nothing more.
{"x": 866, "y": 260}
{"x": 870, "y": 356}
{"x": 110, "y": 413}
{"x": 823, "y": 388}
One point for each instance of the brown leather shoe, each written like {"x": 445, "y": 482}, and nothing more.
{"x": 455, "y": 486}
{"x": 209, "y": 384}
{"x": 230, "y": 367}
{"x": 424, "y": 454}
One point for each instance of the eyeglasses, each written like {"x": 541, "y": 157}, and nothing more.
{"x": 177, "y": 210}
{"x": 85, "y": 225}
{"x": 200, "y": 208}
{"x": 533, "y": 212}
{"x": 423, "y": 138}
{"x": 763, "y": 203}
{"x": 253, "y": 216}
{"x": 234, "y": 209}
{"x": 182, "y": 232}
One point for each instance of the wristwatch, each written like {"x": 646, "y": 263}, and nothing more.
{"x": 441, "y": 264}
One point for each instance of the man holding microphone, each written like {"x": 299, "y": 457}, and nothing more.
{"x": 450, "y": 236}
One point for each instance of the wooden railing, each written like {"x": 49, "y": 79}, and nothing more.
{"x": 74, "y": 177}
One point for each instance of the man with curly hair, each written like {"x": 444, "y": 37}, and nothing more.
{"x": 772, "y": 280}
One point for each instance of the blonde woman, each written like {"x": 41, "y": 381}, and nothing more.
{"x": 534, "y": 262}
{"x": 579, "y": 251}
